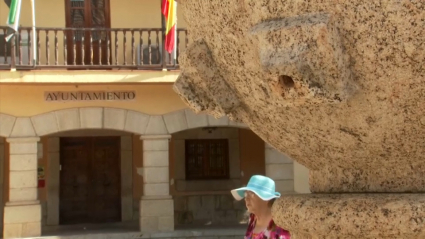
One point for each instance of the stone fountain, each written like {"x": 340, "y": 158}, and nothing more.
{"x": 339, "y": 86}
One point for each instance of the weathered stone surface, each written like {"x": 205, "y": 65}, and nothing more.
{"x": 352, "y": 215}
{"x": 306, "y": 52}
{"x": 336, "y": 85}
{"x": 202, "y": 74}
{"x": 353, "y": 102}
{"x": 402, "y": 178}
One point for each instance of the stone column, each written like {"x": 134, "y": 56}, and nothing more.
{"x": 156, "y": 205}
{"x": 301, "y": 178}
{"x": 22, "y": 212}
{"x": 279, "y": 167}
{"x": 2, "y": 149}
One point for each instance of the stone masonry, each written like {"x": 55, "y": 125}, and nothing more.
{"x": 279, "y": 167}
{"x": 22, "y": 213}
{"x": 156, "y": 205}
{"x": 209, "y": 210}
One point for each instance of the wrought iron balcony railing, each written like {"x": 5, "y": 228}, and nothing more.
{"x": 90, "y": 48}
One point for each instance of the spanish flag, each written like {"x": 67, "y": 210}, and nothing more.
{"x": 169, "y": 11}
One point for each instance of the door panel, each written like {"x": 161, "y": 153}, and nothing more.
{"x": 87, "y": 47}
{"x": 74, "y": 181}
{"x": 90, "y": 180}
{"x": 106, "y": 191}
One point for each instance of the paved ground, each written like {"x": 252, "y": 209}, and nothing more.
{"x": 131, "y": 231}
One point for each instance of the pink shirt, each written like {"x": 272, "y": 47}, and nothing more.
{"x": 271, "y": 232}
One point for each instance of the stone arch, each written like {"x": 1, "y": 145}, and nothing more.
{"x": 6, "y": 124}
{"x": 108, "y": 118}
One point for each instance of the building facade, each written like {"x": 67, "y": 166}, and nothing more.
{"x": 94, "y": 133}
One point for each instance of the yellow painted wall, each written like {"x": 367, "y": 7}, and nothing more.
{"x": 28, "y": 99}
{"x": 124, "y": 13}
{"x": 49, "y": 13}
{"x": 139, "y": 13}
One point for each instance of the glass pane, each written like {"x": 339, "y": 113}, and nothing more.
{"x": 98, "y": 19}
{"x": 210, "y": 159}
{"x": 217, "y": 159}
{"x": 77, "y": 18}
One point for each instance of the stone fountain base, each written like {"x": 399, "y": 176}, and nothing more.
{"x": 352, "y": 215}
{"x": 337, "y": 85}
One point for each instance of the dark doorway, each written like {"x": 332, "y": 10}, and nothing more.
{"x": 90, "y": 189}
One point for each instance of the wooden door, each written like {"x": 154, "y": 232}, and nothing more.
{"x": 105, "y": 175}
{"x": 74, "y": 180}
{"x": 88, "y": 47}
{"x": 90, "y": 180}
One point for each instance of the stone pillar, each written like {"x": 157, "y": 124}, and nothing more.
{"x": 2, "y": 152}
{"x": 301, "y": 178}
{"x": 22, "y": 212}
{"x": 156, "y": 205}
{"x": 279, "y": 167}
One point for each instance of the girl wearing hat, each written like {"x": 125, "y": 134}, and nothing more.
{"x": 259, "y": 196}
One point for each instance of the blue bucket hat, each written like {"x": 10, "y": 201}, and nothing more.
{"x": 263, "y": 187}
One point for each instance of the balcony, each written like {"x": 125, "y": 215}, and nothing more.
{"x": 90, "y": 49}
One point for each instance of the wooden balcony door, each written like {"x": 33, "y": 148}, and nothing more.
{"x": 90, "y": 180}
{"x": 87, "y": 47}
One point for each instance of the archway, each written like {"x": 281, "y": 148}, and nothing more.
{"x": 107, "y": 118}
{"x": 50, "y": 126}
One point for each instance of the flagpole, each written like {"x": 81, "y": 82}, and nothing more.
{"x": 34, "y": 41}
{"x": 164, "y": 68}
{"x": 175, "y": 35}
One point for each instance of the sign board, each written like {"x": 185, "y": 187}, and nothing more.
{"x": 63, "y": 96}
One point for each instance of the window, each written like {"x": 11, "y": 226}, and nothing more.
{"x": 207, "y": 159}
{"x": 89, "y": 14}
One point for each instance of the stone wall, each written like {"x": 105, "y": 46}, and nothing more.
{"x": 220, "y": 209}
{"x": 2, "y": 159}
{"x": 280, "y": 168}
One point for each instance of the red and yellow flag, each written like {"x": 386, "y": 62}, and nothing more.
{"x": 169, "y": 11}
